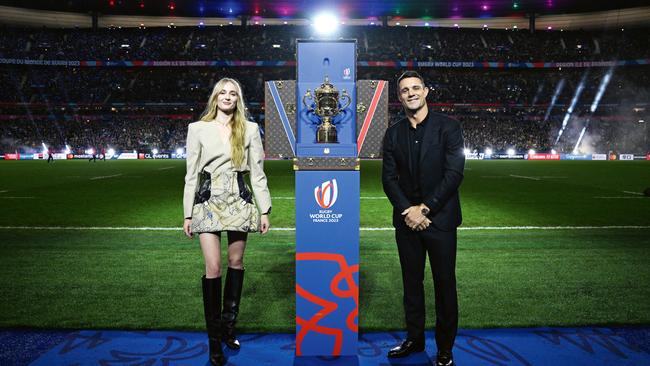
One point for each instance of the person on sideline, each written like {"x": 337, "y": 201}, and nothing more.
{"x": 221, "y": 148}
{"x": 423, "y": 164}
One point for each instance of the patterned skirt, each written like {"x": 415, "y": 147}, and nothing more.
{"x": 230, "y": 206}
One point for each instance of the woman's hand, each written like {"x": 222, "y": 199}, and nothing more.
{"x": 187, "y": 228}
{"x": 265, "y": 224}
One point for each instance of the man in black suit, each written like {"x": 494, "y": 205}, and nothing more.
{"x": 423, "y": 162}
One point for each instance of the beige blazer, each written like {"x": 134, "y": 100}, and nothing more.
{"x": 207, "y": 151}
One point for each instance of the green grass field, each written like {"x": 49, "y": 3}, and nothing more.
{"x": 77, "y": 277}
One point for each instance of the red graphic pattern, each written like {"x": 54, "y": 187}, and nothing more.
{"x": 370, "y": 115}
{"x": 322, "y": 193}
{"x": 308, "y": 325}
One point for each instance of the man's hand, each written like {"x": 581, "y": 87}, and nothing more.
{"x": 423, "y": 225}
{"x": 415, "y": 217}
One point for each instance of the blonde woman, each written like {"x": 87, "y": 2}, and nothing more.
{"x": 221, "y": 147}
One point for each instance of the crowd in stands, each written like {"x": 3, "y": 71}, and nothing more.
{"x": 140, "y": 108}
{"x": 497, "y": 129}
{"x": 79, "y": 133}
{"x": 375, "y": 43}
{"x": 192, "y": 86}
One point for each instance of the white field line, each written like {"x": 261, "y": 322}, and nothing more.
{"x": 524, "y": 177}
{"x": 620, "y": 197}
{"x": 475, "y": 228}
{"x": 5, "y": 191}
{"x": 9, "y": 197}
{"x": 105, "y": 176}
{"x": 630, "y": 192}
{"x": 165, "y": 168}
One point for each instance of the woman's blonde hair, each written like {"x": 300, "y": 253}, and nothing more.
{"x": 238, "y": 125}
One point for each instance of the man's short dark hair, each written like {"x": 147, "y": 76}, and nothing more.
{"x": 410, "y": 74}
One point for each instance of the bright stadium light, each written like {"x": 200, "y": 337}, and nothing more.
{"x": 511, "y": 152}
{"x": 558, "y": 90}
{"x": 601, "y": 89}
{"x": 531, "y": 152}
{"x": 488, "y": 151}
{"x": 67, "y": 149}
{"x": 582, "y": 134}
{"x": 179, "y": 151}
{"x": 325, "y": 23}
{"x": 111, "y": 151}
{"x": 154, "y": 151}
{"x": 466, "y": 151}
{"x": 553, "y": 151}
{"x": 574, "y": 102}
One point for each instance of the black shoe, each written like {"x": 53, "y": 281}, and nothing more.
{"x": 216, "y": 352}
{"x": 444, "y": 359}
{"x": 231, "y": 300}
{"x": 212, "y": 310}
{"x": 406, "y": 348}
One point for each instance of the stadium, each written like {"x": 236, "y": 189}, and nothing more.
{"x": 552, "y": 97}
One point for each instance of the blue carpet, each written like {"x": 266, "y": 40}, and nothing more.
{"x": 491, "y": 347}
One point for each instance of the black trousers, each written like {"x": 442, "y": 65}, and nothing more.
{"x": 413, "y": 247}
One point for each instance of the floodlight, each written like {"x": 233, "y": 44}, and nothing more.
{"x": 325, "y": 23}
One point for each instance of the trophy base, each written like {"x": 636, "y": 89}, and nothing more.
{"x": 326, "y": 135}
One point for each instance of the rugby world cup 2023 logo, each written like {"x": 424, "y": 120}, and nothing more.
{"x": 347, "y": 73}
{"x": 326, "y": 194}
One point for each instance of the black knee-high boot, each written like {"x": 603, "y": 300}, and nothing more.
{"x": 231, "y": 299}
{"x": 212, "y": 309}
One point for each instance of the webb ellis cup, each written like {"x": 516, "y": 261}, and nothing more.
{"x": 327, "y": 106}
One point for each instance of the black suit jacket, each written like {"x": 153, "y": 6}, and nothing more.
{"x": 442, "y": 162}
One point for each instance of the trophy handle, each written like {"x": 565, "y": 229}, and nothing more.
{"x": 304, "y": 99}
{"x": 345, "y": 95}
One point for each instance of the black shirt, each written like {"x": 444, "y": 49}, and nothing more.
{"x": 416, "y": 135}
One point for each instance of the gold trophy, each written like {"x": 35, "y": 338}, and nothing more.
{"x": 327, "y": 106}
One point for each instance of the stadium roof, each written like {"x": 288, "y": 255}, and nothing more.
{"x": 345, "y": 9}
{"x": 492, "y": 14}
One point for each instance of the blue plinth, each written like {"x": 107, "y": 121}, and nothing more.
{"x": 327, "y": 262}
{"x": 327, "y": 208}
